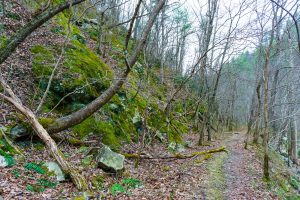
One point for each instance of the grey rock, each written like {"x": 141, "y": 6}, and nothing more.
{"x": 109, "y": 160}
{"x": 18, "y": 131}
{"x": 3, "y": 162}
{"x": 54, "y": 167}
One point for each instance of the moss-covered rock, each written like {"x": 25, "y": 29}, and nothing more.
{"x": 85, "y": 75}
{"x": 103, "y": 129}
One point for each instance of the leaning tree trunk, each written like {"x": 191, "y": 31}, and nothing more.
{"x": 76, "y": 177}
{"x": 13, "y": 42}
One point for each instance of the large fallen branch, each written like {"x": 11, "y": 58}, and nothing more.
{"x": 176, "y": 156}
{"x": 76, "y": 177}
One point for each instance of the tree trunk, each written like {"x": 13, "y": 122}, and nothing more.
{"x": 272, "y": 100}
{"x": 201, "y": 133}
{"x": 251, "y": 119}
{"x": 266, "y": 105}
{"x": 256, "y": 131}
{"x": 293, "y": 141}
{"x": 292, "y": 122}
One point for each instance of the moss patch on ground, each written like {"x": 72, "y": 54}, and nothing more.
{"x": 216, "y": 180}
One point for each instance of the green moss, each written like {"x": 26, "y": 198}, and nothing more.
{"x": 98, "y": 182}
{"x": 63, "y": 21}
{"x": 13, "y": 15}
{"x": 108, "y": 134}
{"x": 46, "y": 121}
{"x": 292, "y": 197}
{"x": 85, "y": 127}
{"x": 82, "y": 69}
{"x": 102, "y": 128}
{"x": 178, "y": 107}
{"x": 3, "y": 40}
{"x": 42, "y": 64}
{"x": 125, "y": 129}
{"x": 294, "y": 183}
{"x": 85, "y": 67}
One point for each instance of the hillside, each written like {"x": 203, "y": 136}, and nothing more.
{"x": 100, "y": 100}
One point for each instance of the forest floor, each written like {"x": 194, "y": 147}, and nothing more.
{"x": 235, "y": 174}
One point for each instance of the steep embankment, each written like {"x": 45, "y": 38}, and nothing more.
{"x": 83, "y": 72}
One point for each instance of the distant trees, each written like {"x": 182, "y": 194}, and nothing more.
{"x": 273, "y": 107}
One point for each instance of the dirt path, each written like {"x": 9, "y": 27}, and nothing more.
{"x": 243, "y": 172}
{"x": 237, "y": 175}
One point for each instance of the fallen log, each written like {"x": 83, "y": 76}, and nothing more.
{"x": 176, "y": 156}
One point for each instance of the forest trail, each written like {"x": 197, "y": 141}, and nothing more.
{"x": 237, "y": 174}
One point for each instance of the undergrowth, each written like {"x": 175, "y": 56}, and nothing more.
{"x": 282, "y": 182}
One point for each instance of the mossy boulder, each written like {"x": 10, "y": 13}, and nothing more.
{"x": 104, "y": 129}
{"x": 85, "y": 76}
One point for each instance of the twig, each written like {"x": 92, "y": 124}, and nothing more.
{"x": 49, "y": 83}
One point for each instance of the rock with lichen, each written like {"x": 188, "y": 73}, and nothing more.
{"x": 109, "y": 160}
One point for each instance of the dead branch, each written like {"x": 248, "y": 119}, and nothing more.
{"x": 176, "y": 156}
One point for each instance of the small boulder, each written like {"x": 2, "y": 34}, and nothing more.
{"x": 18, "y": 131}
{"x": 3, "y": 162}
{"x": 109, "y": 160}
{"x": 54, "y": 167}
